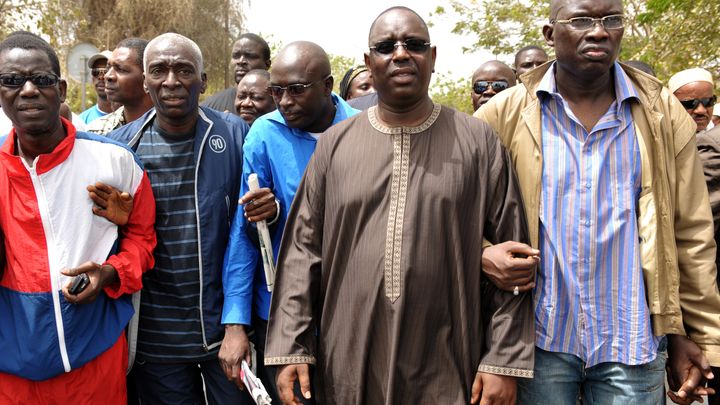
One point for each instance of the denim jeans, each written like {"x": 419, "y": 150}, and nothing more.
{"x": 562, "y": 379}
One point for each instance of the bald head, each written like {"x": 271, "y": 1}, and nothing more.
{"x": 489, "y": 79}
{"x": 306, "y": 56}
{"x": 556, "y": 6}
{"x": 392, "y": 14}
{"x": 174, "y": 41}
{"x": 303, "y": 67}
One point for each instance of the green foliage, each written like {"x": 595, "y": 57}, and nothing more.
{"x": 338, "y": 66}
{"x": 670, "y": 35}
{"x": 452, "y": 93}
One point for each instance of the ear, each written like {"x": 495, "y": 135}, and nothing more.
{"x": 329, "y": 85}
{"x": 433, "y": 56}
{"x": 366, "y": 58}
{"x": 203, "y": 77}
{"x": 267, "y": 64}
{"x": 145, "y": 87}
{"x": 548, "y": 31}
{"x": 62, "y": 85}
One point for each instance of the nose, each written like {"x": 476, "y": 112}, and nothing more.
{"x": 597, "y": 31}
{"x": 110, "y": 74}
{"x": 28, "y": 89}
{"x": 171, "y": 79}
{"x": 400, "y": 53}
{"x": 246, "y": 101}
{"x": 700, "y": 109}
{"x": 285, "y": 100}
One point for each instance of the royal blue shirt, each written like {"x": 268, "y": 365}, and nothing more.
{"x": 279, "y": 155}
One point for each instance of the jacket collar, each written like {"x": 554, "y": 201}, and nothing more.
{"x": 648, "y": 88}
{"x": 44, "y": 162}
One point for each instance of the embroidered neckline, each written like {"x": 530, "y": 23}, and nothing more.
{"x": 378, "y": 125}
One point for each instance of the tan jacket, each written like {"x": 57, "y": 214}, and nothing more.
{"x": 674, "y": 219}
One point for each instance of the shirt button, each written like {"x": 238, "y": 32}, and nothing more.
{"x": 586, "y": 260}
{"x": 587, "y": 223}
{"x": 587, "y": 185}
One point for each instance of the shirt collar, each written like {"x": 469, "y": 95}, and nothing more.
{"x": 624, "y": 88}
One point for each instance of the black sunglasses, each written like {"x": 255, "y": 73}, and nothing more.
{"x": 411, "y": 45}
{"x": 97, "y": 72}
{"x": 15, "y": 80}
{"x": 481, "y": 86}
{"x": 295, "y": 89}
{"x": 693, "y": 103}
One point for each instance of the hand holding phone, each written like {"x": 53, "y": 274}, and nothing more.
{"x": 78, "y": 284}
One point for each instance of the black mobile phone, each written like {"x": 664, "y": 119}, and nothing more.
{"x": 78, "y": 284}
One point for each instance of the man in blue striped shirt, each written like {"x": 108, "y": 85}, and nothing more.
{"x": 603, "y": 154}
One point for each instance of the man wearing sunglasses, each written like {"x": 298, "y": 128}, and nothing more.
{"x": 62, "y": 345}
{"x": 617, "y": 204}
{"x": 489, "y": 79}
{"x": 278, "y": 148}
{"x": 379, "y": 282}
{"x": 98, "y": 67}
{"x": 694, "y": 88}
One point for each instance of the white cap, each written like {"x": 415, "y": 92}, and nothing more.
{"x": 687, "y": 76}
{"x": 102, "y": 55}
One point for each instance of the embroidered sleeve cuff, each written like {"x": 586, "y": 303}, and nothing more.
{"x": 508, "y": 371}
{"x": 294, "y": 359}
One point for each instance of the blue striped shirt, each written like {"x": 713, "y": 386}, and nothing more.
{"x": 590, "y": 294}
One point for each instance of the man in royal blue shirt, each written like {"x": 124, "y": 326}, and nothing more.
{"x": 277, "y": 148}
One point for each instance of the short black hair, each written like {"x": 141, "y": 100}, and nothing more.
{"x": 136, "y": 44}
{"x": 528, "y": 48}
{"x": 28, "y": 40}
{"x": 257, "y": 38}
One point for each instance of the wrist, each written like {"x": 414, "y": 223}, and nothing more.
{"x": 108, "y": 275}
{"x": 234, "y": 328}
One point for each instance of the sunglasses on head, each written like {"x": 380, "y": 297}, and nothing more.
{"x": 693, "y": 103}
{"x": 97, "y": 72}
{"x": 413, "y": 45}
{"x": 294, "y": 90}
{"x": 15, "y": 80}
{"x": 481, "y": 86}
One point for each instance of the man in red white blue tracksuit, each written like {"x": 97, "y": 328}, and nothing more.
{"x": 58, "y": 347}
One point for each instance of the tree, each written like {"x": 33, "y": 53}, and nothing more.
{"x": 670, "y": 35}
{"x": 452, "y": 93}
{"x": 212, "y": 24}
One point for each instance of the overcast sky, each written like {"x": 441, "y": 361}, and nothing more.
{"x": 341, "y": 28}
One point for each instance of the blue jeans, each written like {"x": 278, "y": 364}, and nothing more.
{"x": 562, "y": 379}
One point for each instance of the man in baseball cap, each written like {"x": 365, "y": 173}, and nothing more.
{"x": 98, "y": 66}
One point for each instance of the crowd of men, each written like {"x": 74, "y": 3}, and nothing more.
{"x": 558, "y": 247}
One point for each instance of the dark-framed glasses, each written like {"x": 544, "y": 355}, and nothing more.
{"x": 295, "y": 89}
{"x": 693, "y": 103}
{"x": 97, "y": 72}
{"x": 15, "y": 80}
{"x": 412, "y": 45}
{"x": 481, "y": 86}
{"x": 609, "y": 22}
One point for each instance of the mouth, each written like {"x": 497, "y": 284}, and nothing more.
{"x": 402, "y": 72}
{"x": 248, "y": 112}
{"x": 31, "y": 107}
{"x": 290, "y": 115}
{"x": 595, "y": 52}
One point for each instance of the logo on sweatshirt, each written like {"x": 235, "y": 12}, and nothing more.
{"x": 217, "y": 144}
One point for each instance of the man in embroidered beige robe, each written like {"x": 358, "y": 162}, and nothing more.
{"x": 379, "y": 283}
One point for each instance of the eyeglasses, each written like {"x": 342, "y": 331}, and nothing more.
{"x": 481, "y": 86}
{"x": 609, "y": 22}
{"x": 295, "y": 89}
{"x": 693, "y": 103}
{"x": 411, "y": 45}
{"x": 97, "y": 72}
{"x": 15, "y": 80}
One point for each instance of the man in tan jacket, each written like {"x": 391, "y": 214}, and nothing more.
{"x": 617, "y": 205}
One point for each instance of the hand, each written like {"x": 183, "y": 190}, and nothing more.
{"x": 285, "y": 381}
{"x": 234, "y": 348}
{"x": 506, "y": 268}
{"x": 100, "y": 276}
{"x": 687, "y": 369}
{"x": 259, "y": 204}
{"x": 493, "y": 389}
{"x": 110, "y": 203}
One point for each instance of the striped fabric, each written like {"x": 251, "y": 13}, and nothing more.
{"x": 590, "y": 294}
{"x": 169, "y": 326}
